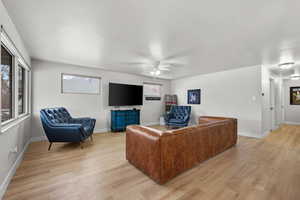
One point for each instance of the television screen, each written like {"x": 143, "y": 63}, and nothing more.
{"x": 125, "y": 95}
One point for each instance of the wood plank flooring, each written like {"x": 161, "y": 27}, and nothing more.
{"x": 257, "y": 169}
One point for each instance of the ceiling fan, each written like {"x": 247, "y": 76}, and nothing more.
{"x": 162, "y": 64}
{"x": 158, "y": 67}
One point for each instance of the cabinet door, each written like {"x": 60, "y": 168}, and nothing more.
{"x": 131, "y": 117}
{"x": 118, "y": 121}
{"x": 121, "y": 120}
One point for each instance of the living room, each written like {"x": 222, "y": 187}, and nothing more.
{"x": 114, "y": 100}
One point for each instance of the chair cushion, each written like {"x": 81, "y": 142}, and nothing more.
{"x": 179, "y": 116}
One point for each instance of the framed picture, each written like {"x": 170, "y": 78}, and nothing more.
{"x": 194, "y": 96}
{"x": 295, "y": 95}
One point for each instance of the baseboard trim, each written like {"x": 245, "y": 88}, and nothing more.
{"x": 266, "y": 133}
{"x": 247, "y": 134}
{"x": 13, "y": 170}
{"x": 38, "y": 139}
{"x": 291, "y": 123}
{"x": 150, "y": 124}
{"x": 102, "y": 130}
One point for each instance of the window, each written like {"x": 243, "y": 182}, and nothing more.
{"x": 15, "y": 74}
{"x": 21, "y": 91}
{"x": 6, "y": 85}
{"x": 80, "y": 84}
{"x": 152, "y": 91}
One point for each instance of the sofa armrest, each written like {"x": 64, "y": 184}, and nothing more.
{"x": 143, "y": 150}
{"x": 213, "y": 119}
{"x": 176, "y": 149}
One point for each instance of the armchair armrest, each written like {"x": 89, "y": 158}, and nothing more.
{"x": 143, "y": 149}
{"x": 168, "y": 116}
{"x": 80, "y": 119}
{"x": 186, "y": 118}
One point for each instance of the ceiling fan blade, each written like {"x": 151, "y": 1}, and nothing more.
{"x": 131, "y": 63}
{"x": 142, "y": 54}
{"x": 179, "y": 54}
{"x": 178, "y": 65}
{"x": 173, "y": 65}
{"x": 164, "y": 69}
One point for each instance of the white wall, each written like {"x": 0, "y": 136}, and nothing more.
{"x": 46, "y": 84}
{"x": 18, "y": 136}
{"x": 232, "y": 93}
{"x": 291, "y": 112}
{"x": 16, "y": 139}
{"x": 10, "y": 28}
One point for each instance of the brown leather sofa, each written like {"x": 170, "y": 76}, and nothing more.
{"x": 163, "y": 155}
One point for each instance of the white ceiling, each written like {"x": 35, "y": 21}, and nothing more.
{"x": 206, "y": 36}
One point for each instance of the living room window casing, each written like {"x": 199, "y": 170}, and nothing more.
{"x": 21, "y": 90}
{"x": 152, "y": 91}
{"x": 15, "y": 80}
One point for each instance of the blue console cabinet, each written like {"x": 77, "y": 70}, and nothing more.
{"x": 122, "y": 118}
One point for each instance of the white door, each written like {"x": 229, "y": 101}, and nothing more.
{"x": 272, "y": 105}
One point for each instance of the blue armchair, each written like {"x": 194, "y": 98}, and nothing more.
{"x": 179, "y": 116}
{"x": 59, "y": 126}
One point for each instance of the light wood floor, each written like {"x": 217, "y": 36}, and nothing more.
{"x": 255, "y": 169}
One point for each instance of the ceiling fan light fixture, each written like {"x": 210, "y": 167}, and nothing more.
{"x": 155, "y": 72}
{"x": 295, "y": 77}
{"x": 286, "y": 65}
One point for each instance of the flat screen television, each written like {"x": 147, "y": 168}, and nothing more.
{"x": 125, "y": 95}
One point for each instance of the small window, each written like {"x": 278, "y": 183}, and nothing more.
{"x": 6, "y": 85}
{"x": 152, "y": 91}
{"x": 21, "y": 91}
{"x": 80, "y": 84}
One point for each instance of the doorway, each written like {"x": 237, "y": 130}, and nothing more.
{"x": 272, "y": 105}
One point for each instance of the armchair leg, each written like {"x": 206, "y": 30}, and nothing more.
{"x": 49, "y": 146}
{"x": 81, "y": 145}
{"x": 92, "y": 139}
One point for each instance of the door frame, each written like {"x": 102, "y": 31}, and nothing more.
{"x": 272, "y": 105}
